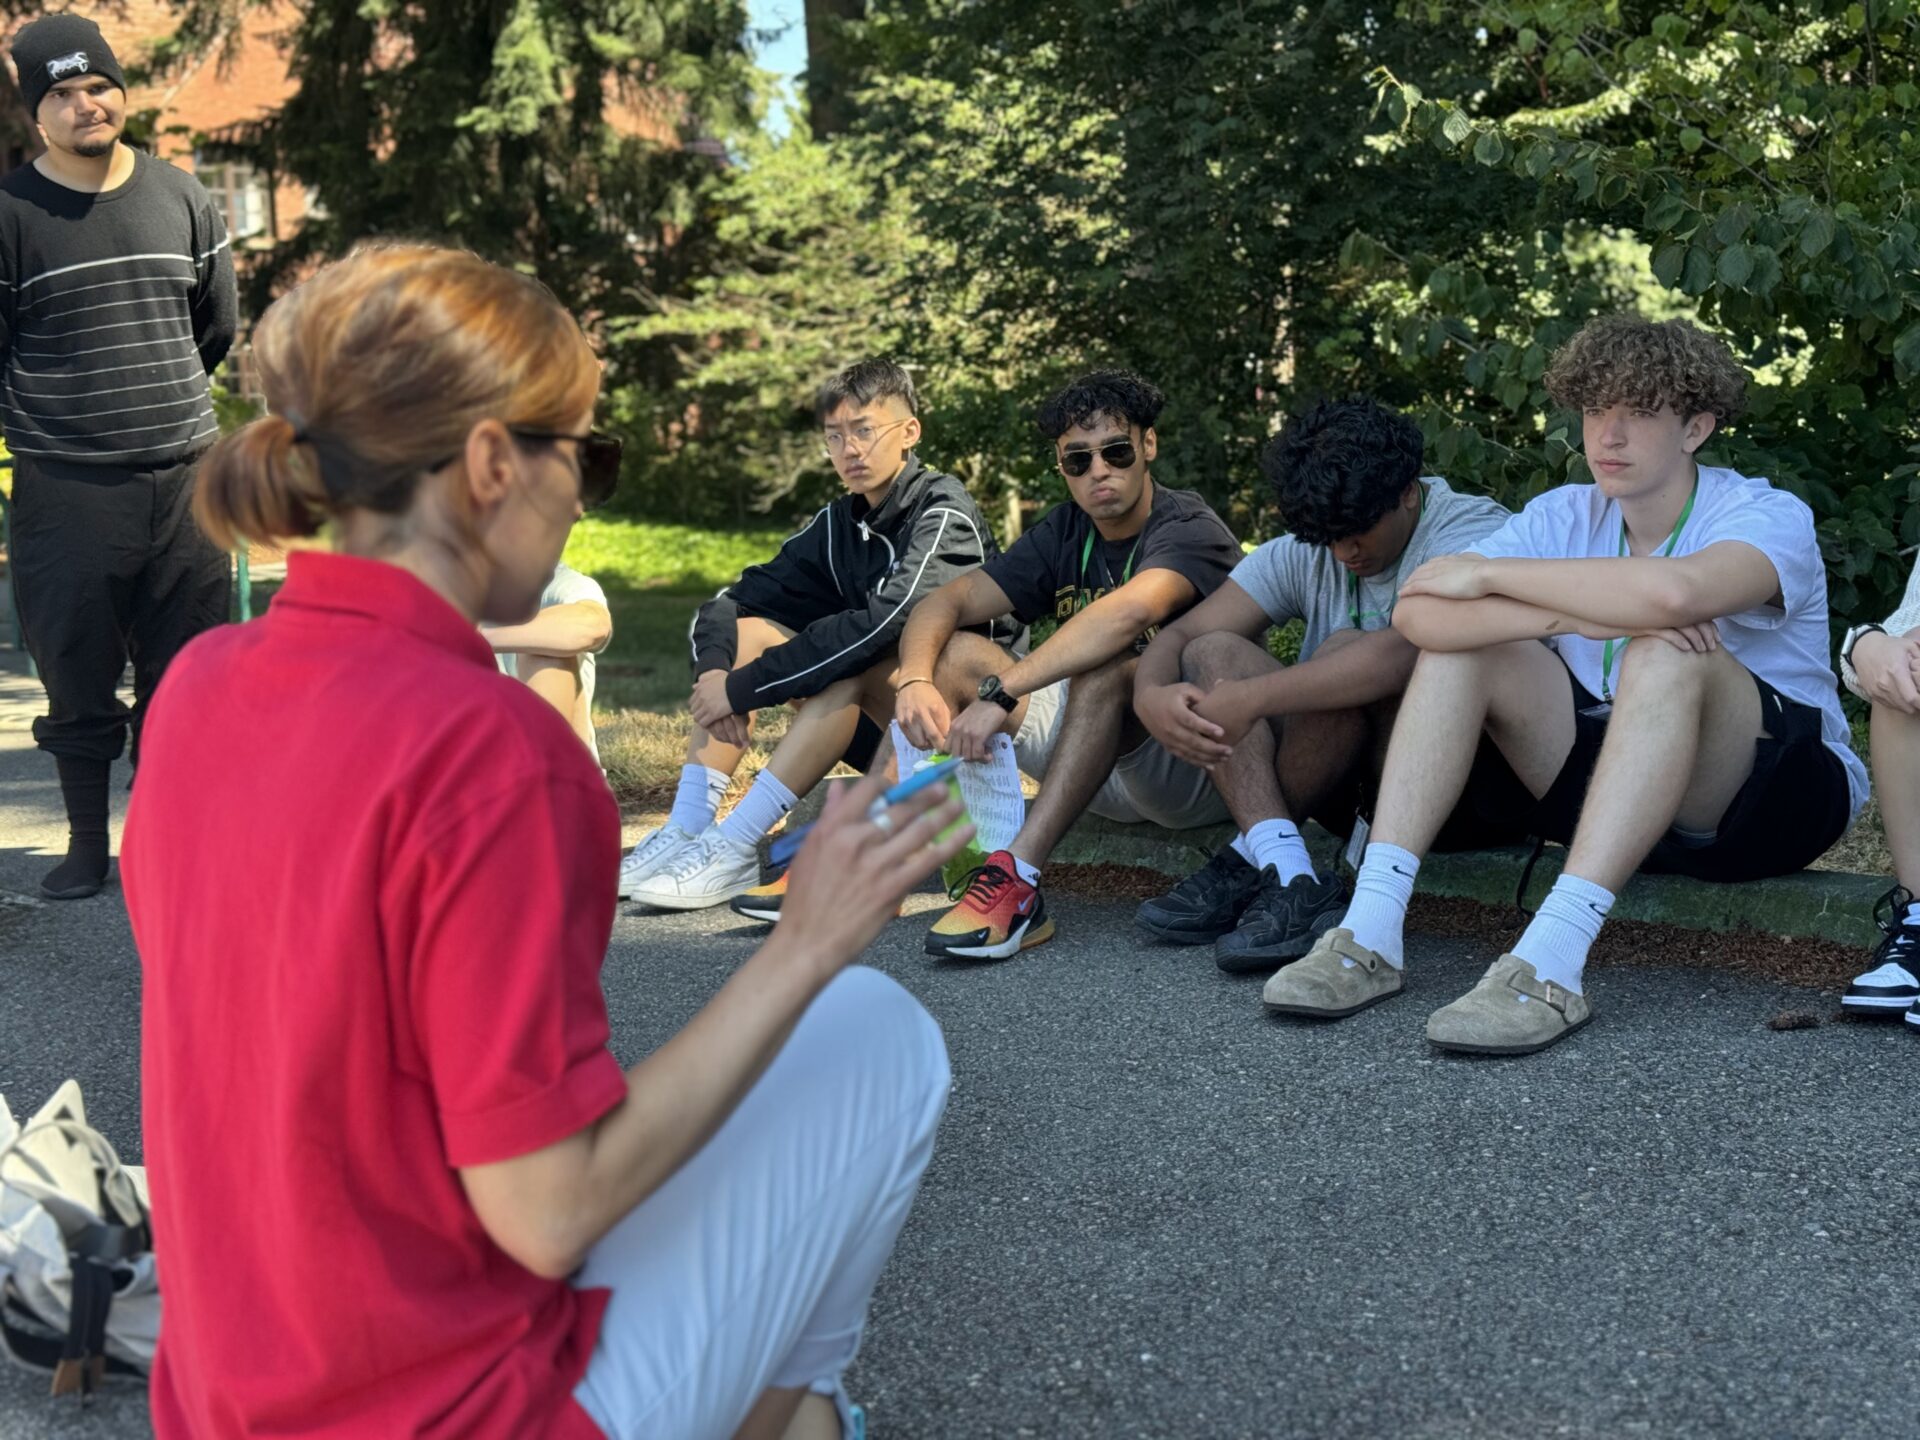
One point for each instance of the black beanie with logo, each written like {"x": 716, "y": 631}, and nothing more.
{"x": 61, "y": 47}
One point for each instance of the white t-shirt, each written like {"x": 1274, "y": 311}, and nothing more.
{"x": 1291, "y": 580}
{"x": 1787, "y": 647}
{"x": 568, "y": 587}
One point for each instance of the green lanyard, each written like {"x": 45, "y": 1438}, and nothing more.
{"x": 1615, "y": 648}
{"x": 1086, "y": 554}
{"x": 1353, "y": 580}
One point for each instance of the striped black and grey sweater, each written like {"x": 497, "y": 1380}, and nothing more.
{"x": 114, "y": 309}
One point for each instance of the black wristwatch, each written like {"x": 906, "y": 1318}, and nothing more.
{"x": 1852, "y": 638}
{"x": 992, "y": 689}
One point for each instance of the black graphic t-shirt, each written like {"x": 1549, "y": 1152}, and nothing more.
{"x": 1063, "y": 565}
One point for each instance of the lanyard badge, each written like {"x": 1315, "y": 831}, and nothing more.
{"x": 1614, "y": 649}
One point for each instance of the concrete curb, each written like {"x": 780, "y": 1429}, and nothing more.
{"x": 1814, "y": 904}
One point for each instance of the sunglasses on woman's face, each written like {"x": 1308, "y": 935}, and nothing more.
{"x": 1119, "y": 455}
{"x": 599, "y": 461}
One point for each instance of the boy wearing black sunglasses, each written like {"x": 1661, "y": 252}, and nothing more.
{"x": 815, "y": 628}
{"x": 1285, "y": 743}
{"x": 1123, "y": 556}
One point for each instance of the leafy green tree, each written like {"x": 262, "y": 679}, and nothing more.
{"x": 1763, "y": 158}
{"x": 809, "y": 262}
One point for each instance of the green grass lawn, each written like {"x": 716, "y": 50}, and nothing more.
{"x": 655, "y": 577}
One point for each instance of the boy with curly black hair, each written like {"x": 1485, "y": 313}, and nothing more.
{"x": 1285, "y": 743}
{"x": 1123, "y": 556}
{"x": 1681, "y": 716}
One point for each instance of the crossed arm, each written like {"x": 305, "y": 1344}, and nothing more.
{"x": 1203, "y": 726}
{"x": 1468, "y": 602}
{"x": 1089, "y": 640}
{"x": 579, "y": 628}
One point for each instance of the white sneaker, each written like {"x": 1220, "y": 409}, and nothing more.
{"x": 650, "y": 854}
{"x": 711, "y": 871}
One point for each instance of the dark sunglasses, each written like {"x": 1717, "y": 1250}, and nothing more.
{"x": 599, "y": 461}
{"x": 1119, "y": 455}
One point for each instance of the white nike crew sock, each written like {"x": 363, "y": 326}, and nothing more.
{"x": 1563, "y": 929}
{"x": 698, "y": 799}
{"x": 1278, "y": 843}
{"x": 1377, "y": 915}
{"x": 758, "y": 812}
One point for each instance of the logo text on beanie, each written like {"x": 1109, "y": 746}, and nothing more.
{"x": 74, "y": 64}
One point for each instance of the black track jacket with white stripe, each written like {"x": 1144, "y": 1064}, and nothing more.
{"x": 844, "y": 585}
{"x": 114, "y": 309}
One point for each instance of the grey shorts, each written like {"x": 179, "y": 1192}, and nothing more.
{"x": 1148, "y": 783}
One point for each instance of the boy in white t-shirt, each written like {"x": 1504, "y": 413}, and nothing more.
{"x": 554, "y": 652}
{"x": 1288, "y": 743}
{"x": 1681, "y": 717}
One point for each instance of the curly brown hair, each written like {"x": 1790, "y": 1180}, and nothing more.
{"x": 1629, "y": 360}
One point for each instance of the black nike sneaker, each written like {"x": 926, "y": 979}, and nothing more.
{"x": 1891, "y": 984}
{"x": 1205, "y": 905}
{"x": 1282, "y": 922}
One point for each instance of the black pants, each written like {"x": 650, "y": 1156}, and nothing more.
{"x": 108, "y": 566}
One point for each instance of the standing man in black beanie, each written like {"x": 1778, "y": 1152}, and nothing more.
{"x": 116, "y": 303}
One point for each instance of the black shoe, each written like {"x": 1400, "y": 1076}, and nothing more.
{"x": 78, "y": 877}
{"x": 1205, "y": 905}
{"x": 1891, "y": 984}
{"x": 1282, "y": 922}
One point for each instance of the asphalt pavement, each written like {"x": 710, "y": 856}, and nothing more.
{"x": 1155, "y": 1211}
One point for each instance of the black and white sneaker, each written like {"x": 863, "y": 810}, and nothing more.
{"x": 1892, "y": 985}
{"x": 1283, "y": 922}
{"x": 1205, "y": 905}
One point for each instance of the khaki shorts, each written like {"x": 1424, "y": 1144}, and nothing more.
{"x": 1148, "y": 784}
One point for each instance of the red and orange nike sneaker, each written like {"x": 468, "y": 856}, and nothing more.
{"x": 999, "y": 915}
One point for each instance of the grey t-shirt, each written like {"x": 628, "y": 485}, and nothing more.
{"x": 1295, "y": 581}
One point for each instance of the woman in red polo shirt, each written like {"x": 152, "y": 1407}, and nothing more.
{"x": 401, "y": 1188}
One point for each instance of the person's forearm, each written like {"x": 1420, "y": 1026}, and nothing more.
{"x": 1098, "y": 633}
{"x": 930, "y": 626}
{"x": 1160, "y": 665}
{"x": 679, "y": 1095}
{"x": 1435, "y": 624}
{"x": 558, "y": 630}
{"x": 1373, "y": 667}
{"x": 1628, "y": 596}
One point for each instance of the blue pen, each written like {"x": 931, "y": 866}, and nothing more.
{"x": 784, "y": 848}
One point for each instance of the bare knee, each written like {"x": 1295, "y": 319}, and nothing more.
{"x": 965, "y": 661}
{"x": 841, "y": 693}
{"x": 1650, "y": 666}
{"x": 1222, "y": 655}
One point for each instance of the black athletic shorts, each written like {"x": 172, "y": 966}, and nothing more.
{"x": 1795, "y": 804}
{"x": 1471, "y": 826}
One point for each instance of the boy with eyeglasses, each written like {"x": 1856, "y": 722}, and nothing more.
{"x": 1123, "y": 556}
{"x": 1680, "y": 717}
{"x": 815, "y": 628}
{"x": 1285, "y": 743}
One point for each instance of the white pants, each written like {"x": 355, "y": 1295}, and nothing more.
{"x": 1148, "y": 784}
{"x": 752, "y": 1267}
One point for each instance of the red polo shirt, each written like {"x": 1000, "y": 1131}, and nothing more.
{"x": 371, "y": 880}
